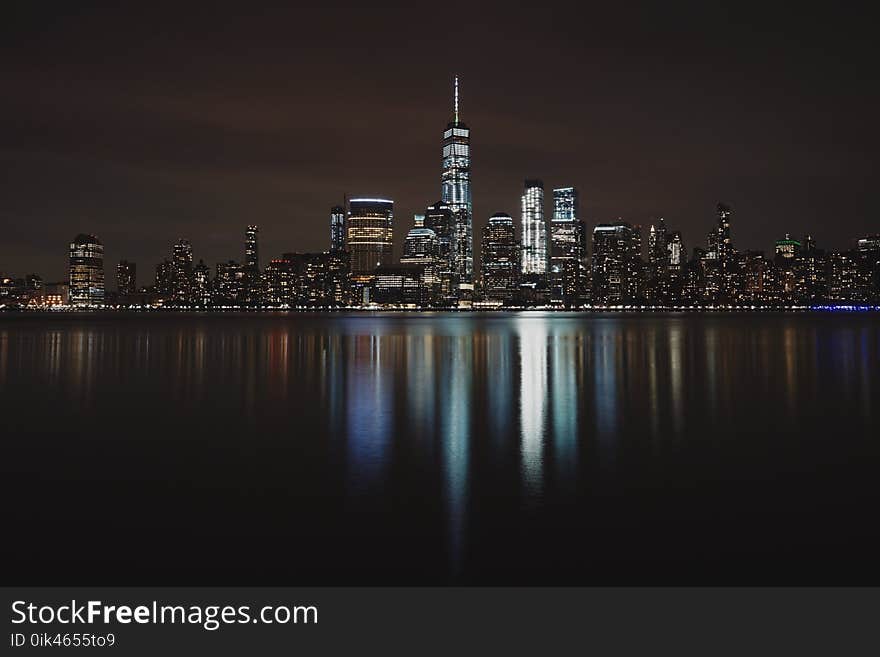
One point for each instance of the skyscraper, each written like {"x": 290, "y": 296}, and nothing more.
{"x": 658, "y": 254}
{"x": 251, "y": 251}
{"x": 534, "y": 229}
{"x": 421, "y": 248}
{"x": 439, "y": 218}
{"x": 676, "y": 253}
{"x": 182, "y": 261}
{"x": 201, "y": 284}
{"x": 369, "y": 232}
{"x": 337, "y": 228}
{"x": 788, "y": 248}
{"x": 568, "y": 247}
{"x": 615, "y": 263}
{"x": 455, "y": 192}
{"x": 126, "y": 278}
{"x": 500, "y": 258}
{"x": 86, "y": 271}
{"x": 253, "y": 287}
{"x": 723, "y": 244}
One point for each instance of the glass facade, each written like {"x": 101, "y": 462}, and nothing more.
{"x": 337, "y": 228}
{"x": 182, "y": 262}
{"x": 126, "y": 277}
{"x": 500, "y": 258}
{"x": 369, "y": 233}
{"x": 534, "y": 229}
{"x": 615, "y": 263}
{"x": 455, "y": 192}
{"x": 86, "y": 271}
{"x": 568, "y": 248}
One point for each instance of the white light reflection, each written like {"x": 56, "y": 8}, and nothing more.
{"x": 533, "y": 402}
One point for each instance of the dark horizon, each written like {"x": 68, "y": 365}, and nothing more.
{"x": 144, "y": 126}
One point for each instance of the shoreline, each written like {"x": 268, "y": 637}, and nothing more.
{"x": 592, "y": 310}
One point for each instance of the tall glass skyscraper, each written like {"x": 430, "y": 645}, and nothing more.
{"x": 534, "y": 229}
{"x": 369, "y": 234}
{"x": 615, "y": 263}
{"x": 568, "y": 248}
{"x": 500, "y": 259}
{"x": 337, "y": 228}
{"x": 455, "y": 191}
{"x": 182, "y": 259}
{"x": 86, "y": 271}
{"x": 126, "y": 276}
{"x": 251, "y": 252}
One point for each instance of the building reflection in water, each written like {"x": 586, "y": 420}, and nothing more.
{"x": 455, "y": 436}
{"x": 607, "y": 348}
{"x": 368, "y": 415}
{"x": 452, "y": 417}
{"x": 532, "y": 334}
{"x": 566, "y": 367}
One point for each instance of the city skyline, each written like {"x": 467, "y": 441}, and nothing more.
{"x": 551, "y": 247}
{"x": 658, "y": 115}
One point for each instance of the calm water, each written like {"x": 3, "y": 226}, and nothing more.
{"x": 403, "y": 448}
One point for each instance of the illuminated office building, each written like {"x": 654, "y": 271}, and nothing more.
{"x": 182, "y": 261}
{"x": 337, "y": 228}
{"x": 86, "y": 271}
{"x": 615, "y": 263}
{"x": 252, "y": 283}
{"x": 201, "y": 284}
{"x": 369, "y": 232}
{"x": 126, "y": 278}
{"x": 787, "y": 248}
{"x": 455, "y": 192}
{"x": 251, "y": 249}
{"x": 568, "y": 248}
{"x": 440, "y": 219}
{"x": 658, "y": 254}
{"x": 534, "y": 229}
{"x": 229, "y": 278}
{"x": 422, "y": 249}
{"x": 500, "y": 258}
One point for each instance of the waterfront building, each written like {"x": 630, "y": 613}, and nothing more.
{"x": 440, "y": 219}
{"x": 568, "y": 248}
{"x": 201, "y": 284}
{"x": 455, "y": 193}
{"x": 229, "y": 283}
{"x": 126, "y": 278}
{"x": 534, "y": 230}
{"x": 616, "y": 264}
{"x": 422, "y": 248}
{"x": 844, "y": 278}
{"x": 397, "y": 285}
{"x": 369, "y": 232}
{"x": 86, "y": 271}
{"x": 500, "y": 259}
{"x": 164, "y": 282}
{"x": 182, "y": 262}
{"x": 337, "y": 228}
{"x": 252, "y": 283}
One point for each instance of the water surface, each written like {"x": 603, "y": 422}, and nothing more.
{"x": 433, "y": 448}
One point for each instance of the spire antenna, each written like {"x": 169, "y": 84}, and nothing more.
{"x": 456, "y": 99}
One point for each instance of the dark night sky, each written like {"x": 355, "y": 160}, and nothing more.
{"x": 171, "y": 120}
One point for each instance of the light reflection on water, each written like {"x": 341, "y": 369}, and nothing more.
{"x": 451, "y": 423}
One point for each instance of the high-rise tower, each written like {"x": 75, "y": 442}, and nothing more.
{"x": 534, "y": 229}
{"x": 369, "y": 234}
{"x": 568, "y": 248}
{"x": 455, "y": 191}
{"x": 251, "y": 251}
{"x": 86, "y": 271}
{"x": 337, "y": 228}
